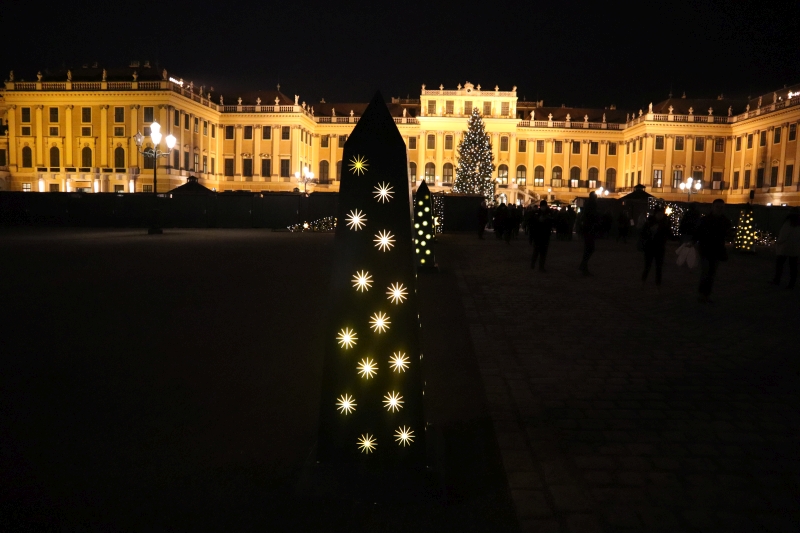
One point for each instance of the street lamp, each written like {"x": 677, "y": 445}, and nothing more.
{"x": 154, "y": 153}
{"x": 691, "y": 189}
{"x": 305, "y": 178}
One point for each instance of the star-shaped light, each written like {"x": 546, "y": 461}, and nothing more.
{"x": 404, "y": 435}
{"x": 379, "y": 322}
{"x": 356, "y": 220}
{"x": 367, "y": 368}
{"x": 347, "y": 338}
{"x": 367, "y": 443}
{"x": 398, "y": 362}
{"x": 383, "y": 192}
{"x": 393, "y": 402}
{"x": 384, "y": 240}
{"x": 358, "y": 165}
{"x": 362, "y": 281}
{"x": 397, "y": 293}
{"x": 346, "y": 404}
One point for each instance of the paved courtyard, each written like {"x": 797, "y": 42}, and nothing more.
{"x": 621, "y": 407}
{"x": 173, "y": 383}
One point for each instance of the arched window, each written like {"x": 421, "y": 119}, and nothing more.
{"x": 55, "y": 157}
{"x": 538, "y": 176}
{"x": 593, "y": 174}
{"x": 27, "y": 157}
{"x": 430, "y": 173}
{"x": 522, "y": 176}
{"x": 119, "y": 157}
{"x": 574, "y": 176}
{"x": 412, "y": 171}
{"x": 339, "y": 170}
{"x": 324, "y": 168}
{"x": 502, "y": 175}
{"x": 86, "y": 157}
{"x": 147, "y": 160}
{"x": 556, "y": 180}
{"x": 447, "y": 173}
{"x": 611, "y": 179}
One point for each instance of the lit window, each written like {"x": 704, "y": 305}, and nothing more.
{"x": 431, "y": 107}
{"x": 699, "y": 144}
{"x": 719, "y": 144}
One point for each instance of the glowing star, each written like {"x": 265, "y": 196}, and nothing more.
{"x": 362, "y": 281}
{"x": 367, "y": 443}
{"x": 404, "y": 436}
{"x": 397, "y": 293}
{"x": 346, "y": 404}
{"x": 347, "y": 338}
{"x": 379, "y": 322}
{"x": 383, "y": 192}
{"x": 384, "y": 240}
{"x": 358, "y": 165}
{"x": 393, "y": 402}
{"x": 398, "y": 362}
{"x": 367, "y": 368}
{"x": 356, "y": 220}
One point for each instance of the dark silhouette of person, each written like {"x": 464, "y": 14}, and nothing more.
{"x": 709, "y": 237}
{"x": 657, "y": 231}
{"x": 483, "y": 218}
{"x": 688, "y": 223}
{"x": 590, "y": 220}
{"x": 787, "y": 247}
{"x": 623, "y": 226}
{"x": 500, "y": 219}
{"x": 541, "y": 228}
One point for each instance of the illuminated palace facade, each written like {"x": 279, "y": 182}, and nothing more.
{"x": 72, "y": 131}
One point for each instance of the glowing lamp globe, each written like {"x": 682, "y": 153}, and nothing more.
{"x": 138, "y": 138}
{"x": 171, "y": 140}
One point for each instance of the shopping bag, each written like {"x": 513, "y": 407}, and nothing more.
{"x": 691, "y": 257}
{"x": 682, "y": 252}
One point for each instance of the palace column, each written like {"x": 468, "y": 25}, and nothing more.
{"x": 133, "y": 150}
{"x": 39, "y": 137}
{"x": 709, "y": 145}
{"x": 103, "y": 136}
{"x": 585, "y": 160}
{"x": 649, "y": 142}
{"x": 275, "y": 165}
{"x": 601, "y": 171}
{"x": 782, "y": 161}
{"x": 512, "y": 157}
{"x": 12, "y": 137}
{"x": 422, "y": 147}
{"x": 669, "y": 145}
{"x": 437, "y": 171}
{"x": 688, "y": 145}
{"x": 548, "y": 162}
{"x": 237, "y": 151}
{"x": 295, "y": 165}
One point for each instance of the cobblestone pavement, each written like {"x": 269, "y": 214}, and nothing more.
{"x": 621, "y": 407}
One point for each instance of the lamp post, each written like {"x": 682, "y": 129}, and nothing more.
{"x": 305, "y": 178}
{"x": 154, "y": 153}
{"x": 691, "y": 186}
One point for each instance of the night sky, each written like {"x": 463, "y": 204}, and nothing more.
{"x": 573, "y": 53}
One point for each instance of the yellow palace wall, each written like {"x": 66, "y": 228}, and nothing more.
{"x": 52, "y": 143}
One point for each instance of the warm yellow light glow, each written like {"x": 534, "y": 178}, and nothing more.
{"x": 668, "y": 211}
{"x": 383, "y": 192}
{"x": 397, "y": 293}
{"x": 367, "y": 443}
{"x": 346, "y": 404}
{"x": 347, "y": 338}
{"x": 379, "y": 322}
{"x": 356, "y": 220}
{"x": 398, "y": 362}
{"x": 358, "y": 165}
{"x": 384, "y": 240}
{"x": 362, "y": 281}
{"x": 305, "y": 225}
{"x": 404, "y": 435}
{"x": 367, "y": 368}
{"x": 393, "y": 401}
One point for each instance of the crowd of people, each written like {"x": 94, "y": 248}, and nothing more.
{"x": 706, "y": 235}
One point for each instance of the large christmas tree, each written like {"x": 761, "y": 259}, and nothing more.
{"x": 475, "y": 165}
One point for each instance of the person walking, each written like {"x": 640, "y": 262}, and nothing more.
{"x": 788, "y": 247}
{"x": 656, "y": 232}
{"x": 590, "y": 220}
{"x": 709, "y": 237}
{"x": 541, "y": 228}
{"x": 500, "y": 219}
{"x": 688, "y": 223}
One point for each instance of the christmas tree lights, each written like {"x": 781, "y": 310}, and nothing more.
{"x": 323, "y": 225}
{"x": 475, "y": 160}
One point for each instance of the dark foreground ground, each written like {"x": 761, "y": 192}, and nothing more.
{"x": 172, "y": 383}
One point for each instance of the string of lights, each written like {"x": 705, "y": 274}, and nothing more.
{"x": 322, "y": 225}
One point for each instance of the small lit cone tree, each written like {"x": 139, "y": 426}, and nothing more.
{"x": 371, "y": 404}
{"x": 745, "y": 232}
{"x": 424, "y": 230}
{"x": 475, "y": 160}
